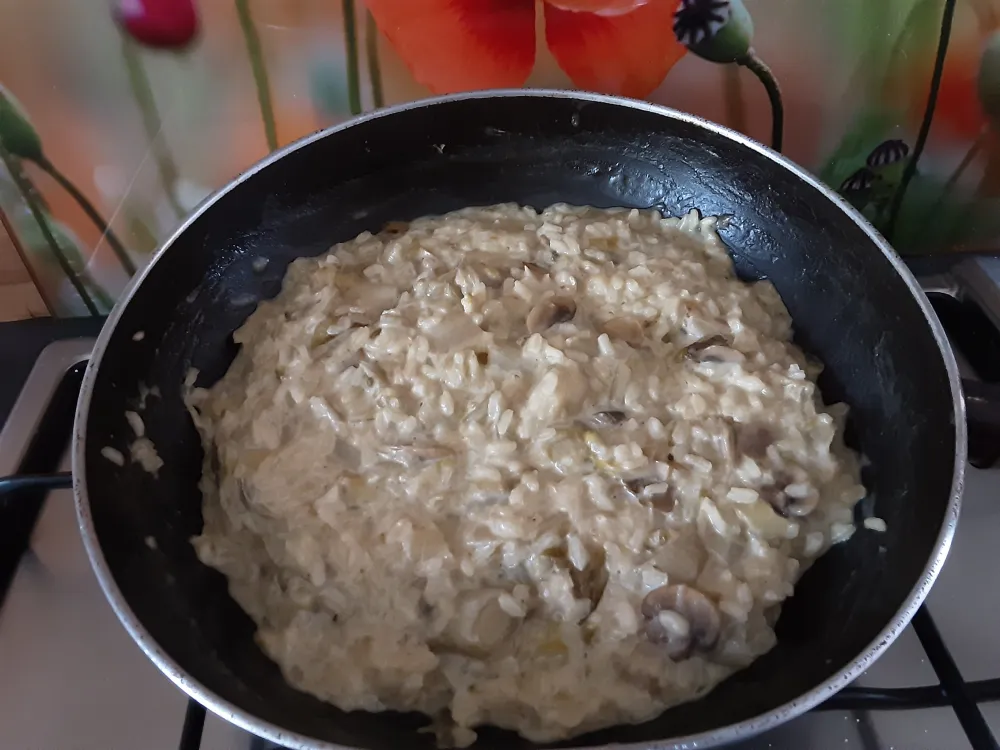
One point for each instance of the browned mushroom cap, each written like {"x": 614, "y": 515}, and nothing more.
{"x": 698, "y": 346}
{"x": 753, "y": 439}
{"x": 549, "y": 312}
{"x": 395, "y": 228}
{"x": 635, "y": 485}
{"x": 682, "y": 618}
{"x": 590, "y": 582}
{"x": 713, "y": 349}
{"x": 659, "y": 494}
{"x": 789, "y": 499}
{"x": 626, "y": 329}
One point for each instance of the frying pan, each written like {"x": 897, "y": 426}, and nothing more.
{"x": 853, "y": 302}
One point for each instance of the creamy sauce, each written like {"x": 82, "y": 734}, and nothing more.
{"x": 551, "y": 472}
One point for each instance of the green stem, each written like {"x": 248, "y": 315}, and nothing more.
{"x": 256, "y": 56}
{"x": 34, "y": 193}
{"x": 989, "y": 183}
{"x": 878, "y": 18}
{"x": 732, "y": 87}
{"x": 351, "y": 48}
{"x": 925, "y": 125}
{"x": 374, "y": 66}
{"x": 88, "y": 208}
{"x": 142, "y": 93}
{"x": 898, "y": 52}
{"x": 38, "y": 214}
{"x": 760, "y": 69}
{"x": 23, "y": 254}
{"x": 964, "y": 214}
{"x": 970, "y": 156}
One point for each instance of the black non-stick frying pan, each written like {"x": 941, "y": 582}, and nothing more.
{"x": 854, "y": 305}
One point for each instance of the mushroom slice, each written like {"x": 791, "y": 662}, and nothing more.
{"x": 713, "y": 349}
{"x": 244, "y": 495}
{"x": 682, "y": 618}
{"x": 491, "y": 276}
{"x": 753, "y": 439}
{"x": 395, "y": 228}
{"x": 653, "y": 491}
{"x": 790, "y": 499}
{"x": 609, "y": 418}
{"x": 411, "y": 456}
{"x": 535, "y": 269}
{"x": 698, "y": 346}
{"x": 721, "y": 354}
{"x": 590, "y": 582}
{"x": 662, "y": 499}
{"x": 636, "y": 485}
{"x": 626, "y": 329}
{"x": 550, "y": 312}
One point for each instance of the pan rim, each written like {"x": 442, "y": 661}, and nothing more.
{"x": 709, "y": 738}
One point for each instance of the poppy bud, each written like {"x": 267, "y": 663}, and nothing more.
{"x": 860, "y": 181}
{"x": 163, "y": 24}
{"x": 888, "y": 153}
{"x": 717, "y": 30}
{"x": 17, "y": 134}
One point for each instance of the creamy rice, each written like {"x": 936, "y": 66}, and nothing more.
{"x": 550, "y": 472}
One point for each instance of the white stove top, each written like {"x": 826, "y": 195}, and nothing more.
{"x": 66, "y": 658}
{"x": 74, "y": 680}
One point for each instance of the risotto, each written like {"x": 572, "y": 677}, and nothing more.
{"x": 547, "y": 471}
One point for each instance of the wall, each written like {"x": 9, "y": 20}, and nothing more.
{"x": 18, "y": 296}
{"x": 136, "y": 118}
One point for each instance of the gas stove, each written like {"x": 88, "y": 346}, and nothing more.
{"x": 74, "y": 680}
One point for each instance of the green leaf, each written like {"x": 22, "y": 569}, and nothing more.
{"x": 33, "y": 237}
{"x": 34, "y": 242}
{"x": 932, "y": 220}
{"x": 17, "y": 135}
{"x": 861, "y": 27}
{"x": 920, "y": 29}
{"x": 897, "y": 35}
{"x": 880, "y": 36}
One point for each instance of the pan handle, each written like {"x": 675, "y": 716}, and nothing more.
{"x": 974, "y": 330}
{"x": 58, "y": 481}
{"x": 48, "y": 390}
{"x": 982, "y": 405}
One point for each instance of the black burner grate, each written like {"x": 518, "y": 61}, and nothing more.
{"x": 953, "y": 691}
{"x": 973, "y": 334}
{"x": 20, "y": 514}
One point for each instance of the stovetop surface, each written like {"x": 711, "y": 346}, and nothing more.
{"x": 21, "y": 343}
{"x": 74, "y": 680}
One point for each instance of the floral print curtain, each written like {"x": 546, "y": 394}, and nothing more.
{"x": 117, "y": 118}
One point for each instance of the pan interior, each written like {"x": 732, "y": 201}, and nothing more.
{"x": 850, "y": 307}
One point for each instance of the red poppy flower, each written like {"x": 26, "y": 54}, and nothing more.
{"x": 615, "y": 46}
{"x": 958, "y": 113}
